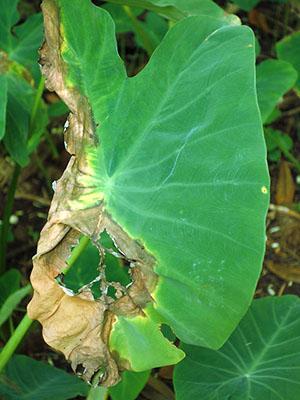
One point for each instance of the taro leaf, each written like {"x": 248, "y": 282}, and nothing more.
{"x": 274, "y": 79}
{"x": 175, "y": 175}
{"x": 260, "y": 360}
{"x": 9, "y": 283}
{"x": 3, "y": 103}
{"x": 246, "y": 5}
{"x": 288, "y": 50}
{"x": 28, "y": 379}
{"x": 131, "y": 385}
{"x": 12, "y": 301}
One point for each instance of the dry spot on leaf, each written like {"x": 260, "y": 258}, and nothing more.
{"x": 79, "y": 326}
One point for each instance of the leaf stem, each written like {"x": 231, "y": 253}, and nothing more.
{"x": 6, "y": 216}
{"x": 10, "y": 347}
{"x": 14, "y": 341}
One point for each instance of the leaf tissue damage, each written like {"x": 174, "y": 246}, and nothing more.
{"x": 79, "y": 326}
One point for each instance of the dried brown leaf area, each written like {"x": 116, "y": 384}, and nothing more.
{"x": 78, "y": 325}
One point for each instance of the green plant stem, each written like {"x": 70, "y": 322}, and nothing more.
{"x": 10, "y": 347}
{"x": 145, "y": 39}
{"x": 6, "y": 216}
{"x": 83, "y": 243}
{"x": 37, "y": 100}
{"x": 14, "y": 341}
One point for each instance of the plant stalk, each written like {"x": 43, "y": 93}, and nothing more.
{"x": 14, "y": 341}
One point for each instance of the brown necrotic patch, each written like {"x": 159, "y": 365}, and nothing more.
{"x": 79, "y": 325}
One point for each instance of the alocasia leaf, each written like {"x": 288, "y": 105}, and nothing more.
{"x": 28, "y": 379}
{"x": 171, "y": 164}
{"x": 259, "y": 361}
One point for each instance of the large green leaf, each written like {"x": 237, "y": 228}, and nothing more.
{"x": 28, "y": 379}
{"x": 260, "y": 360}
{"x": 274, "y": 79}
{"x": 179, "y": 167}
{"x": 182, "y": 163}
{"x": 288, "y": 50}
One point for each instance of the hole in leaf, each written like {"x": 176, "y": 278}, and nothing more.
{"x": 109, "y": 276}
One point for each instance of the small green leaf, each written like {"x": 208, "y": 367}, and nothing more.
{"x": 131, "y": 385}
{"x": 12, "y": 301}
{"x": 27, "y": 379}
{"x": 260, "y": 360}
{"x": 140, "y": 341}
{"x": 274, "y": 79}
{"x": 288, "y": 50}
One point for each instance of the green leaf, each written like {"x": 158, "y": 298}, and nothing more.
{"x": 165, "y": 183}
{"x": 20, "y": 42}
{"x": 12, "y": 301}
{"x": 277, "y": 142}
{"x": 246, "y": 5}
{"x": 288, "y": 50}
{"x": 131, "y": 385}
{"x": 19, "y": 104}
{"x": 29, "y": 38}
{"x": 9, "y": 283}
{"x": 260, "y": 360}
{"x": 133, "y": 338}
{"x": 181, "y": 170}
{"x": 274, "y": 79}
{"x": 3, "y": 103}
{"x": 27, "y": 379}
